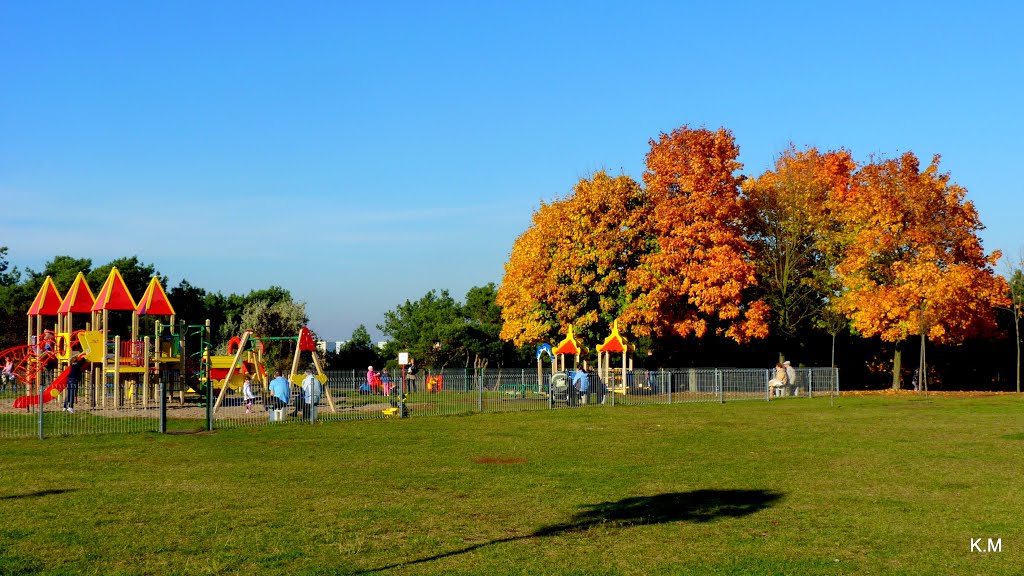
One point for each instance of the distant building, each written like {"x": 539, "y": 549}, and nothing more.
{"x": 338, "y": 346}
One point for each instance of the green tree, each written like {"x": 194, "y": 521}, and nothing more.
{"x": 358, "y": 352}
{"x": 789, "y": 228}
{"x": 189, "y": 302}
{"x": 482, "y": 329}
{"x": 13, "y": 304}
{"x": 428, "y": 328}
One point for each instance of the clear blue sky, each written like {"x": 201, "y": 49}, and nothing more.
{"x": 362, "y": 153}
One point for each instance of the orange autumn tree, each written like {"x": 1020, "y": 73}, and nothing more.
{"x": 698, "y": 277}
{"x": 912, "y": 262}
{"x": 790, "y": 233}
{"x": 570, "y": 266}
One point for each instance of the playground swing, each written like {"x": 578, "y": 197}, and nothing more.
{"x": 235, "y": 367}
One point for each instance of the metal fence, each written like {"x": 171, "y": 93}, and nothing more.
{"x": 169, "y": 405}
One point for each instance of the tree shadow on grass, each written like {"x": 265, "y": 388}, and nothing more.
{"x": 694, "y": 506}
{"x": 38, "y": 494}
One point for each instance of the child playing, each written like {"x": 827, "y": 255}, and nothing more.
{"x": 249, "y": 396}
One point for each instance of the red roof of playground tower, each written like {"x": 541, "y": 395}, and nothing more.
{"x": 615, "y": 342}
{"x": 47, "y": 302}
{"x": 79, "y": 297}
{"x": 569, "y": 345}
{"x": 114, "y": 295}
{"x": 154, "y": 302}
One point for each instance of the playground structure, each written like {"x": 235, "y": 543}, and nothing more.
{"x": 229, "y": 372}
{"x": 614, "y": 343}
{"x": 614, "y": 378}
{"x": 129, "y": 369}
{"x": 128, "y": 373}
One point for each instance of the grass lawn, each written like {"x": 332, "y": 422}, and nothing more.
{"x": 870, "y": 486}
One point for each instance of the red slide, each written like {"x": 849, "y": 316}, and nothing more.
{"x": 52, "y": 391}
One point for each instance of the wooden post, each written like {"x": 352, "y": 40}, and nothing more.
{"x": 295, "y": 361}
{"x": 624, "y": 354}
{"x": 117, "y": 372}
{"x": 103, "y": 366}
{"x": 145, "y": 373}
{"x": 135, "y": 326}
{"x": 327, "y": 389}
{"x": 231, "y": 371}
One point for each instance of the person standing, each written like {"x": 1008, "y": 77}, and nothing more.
{"x": 371, "y": 376}
{"x": 311, "y": 392}
{"x": 248, "y": 394}
{"x": 74, "y": 375}
{"x": 385, "y": 381}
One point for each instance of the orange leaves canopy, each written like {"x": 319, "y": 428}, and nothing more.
{"x": 570, "y": 266}
{"x": 912, "y": 256}
{"x": 698, "y": 273}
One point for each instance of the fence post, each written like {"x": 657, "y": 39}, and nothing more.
{"x": 810, "y": 383}
{"x": 669, "y": 374}
{"x": 721, "y": 387}
{"x": 612, "y": 378}
{"x": 767, "y": 387}
{"x": 163, "y": 405}
{"x": 209, "y": 396}
{"x": 480, "y": 394}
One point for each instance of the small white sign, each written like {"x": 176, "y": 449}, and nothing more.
{"x": 403, "y": 358}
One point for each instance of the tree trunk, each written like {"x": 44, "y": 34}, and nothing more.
{"x": 1016, "y": 327}
{"x": 897, "y": 365}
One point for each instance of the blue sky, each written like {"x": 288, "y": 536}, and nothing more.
{"x": 360, "y": 154}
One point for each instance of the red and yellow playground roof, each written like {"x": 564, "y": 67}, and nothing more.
{"x": 154, "y": 302}
{"x": 114, "y": 295}
{"x": 47, "y": 302}
{"x": 569, "y": 345}
{"x": 79, "y": 297}
{"x": 615, "y": 342}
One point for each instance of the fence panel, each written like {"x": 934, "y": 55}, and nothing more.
{"x": 94, "y": 406}
{"x": 693, "y": 385}
{"x": 638, "y": 387}
{"x": 743, "y": 384}
{"x": 17, "y": 422}
{"x": 134, "y": 405}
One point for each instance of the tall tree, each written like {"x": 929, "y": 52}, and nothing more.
{"x": 14, "y": 302}
{"x": 571, "y": 265}
{"x": 1015, "y": 302}
{"x": 789, "y": 230}
{"x": 189, "y": 302}
{"x": 912, "y": 262}
{"x": 427, "y": 328}
{"x": 699, "y": 277}
{"x": 482, "y": 329}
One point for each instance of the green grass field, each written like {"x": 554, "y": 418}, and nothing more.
{"x": 870, "y": 486}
